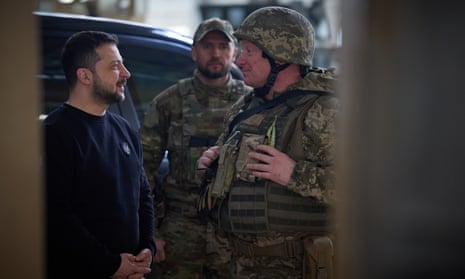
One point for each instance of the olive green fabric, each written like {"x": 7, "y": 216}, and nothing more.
{"x": 184, "y": 119}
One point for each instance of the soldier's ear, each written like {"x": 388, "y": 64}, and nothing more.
{"x": 236, "y": 52}
{"x": 194, "y": 53}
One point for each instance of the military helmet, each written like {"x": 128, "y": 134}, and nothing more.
{"x": 283, "y": 34}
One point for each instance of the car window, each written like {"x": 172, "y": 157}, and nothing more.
{"x": 154, "y": 65}
{"x": 55, "y": 90}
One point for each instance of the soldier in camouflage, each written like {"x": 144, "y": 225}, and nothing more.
{"x": 185, "y": 119}
{"x": 274, "y": 185}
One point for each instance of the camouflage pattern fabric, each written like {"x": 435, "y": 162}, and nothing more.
{"x": 289, "y": 41}
{"x": 185, "y": 243}
{"x": 219, "y": 254}
{"x": 319, "y": 141}
{"x": 313, "y": 176}
{"x": 185, "y": 111}
{"x": 268, "y": 268}
{"x": 214, "y": 24}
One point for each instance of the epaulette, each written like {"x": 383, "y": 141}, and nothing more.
{"x": 185, "y": 86}
{"x": 323, "y": 79}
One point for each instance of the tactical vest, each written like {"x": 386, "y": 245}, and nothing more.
{"x": 201, "y": 123}
{"x": 263, "y": 206}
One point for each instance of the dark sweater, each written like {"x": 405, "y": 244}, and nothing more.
{"x": 98, "y": 199}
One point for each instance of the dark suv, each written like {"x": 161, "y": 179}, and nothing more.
{"x": 156, "y": 58}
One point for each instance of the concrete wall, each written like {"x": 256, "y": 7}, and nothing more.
{"x": 182, "y": 16}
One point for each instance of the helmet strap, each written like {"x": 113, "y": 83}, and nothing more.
{"x": 304, "y": 70}
{"x": 275, "y": 69}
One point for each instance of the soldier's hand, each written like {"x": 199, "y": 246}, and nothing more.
{"x": 273, "y": 164}
{"x": 207, "y": 157}
{"x": 160, "y": 255}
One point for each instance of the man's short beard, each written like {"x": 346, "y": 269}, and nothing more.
{"x": 106, "y": 96}
{"x": 211, "y": 75}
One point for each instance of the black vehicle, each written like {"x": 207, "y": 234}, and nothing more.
{"x": 156, "y": 58}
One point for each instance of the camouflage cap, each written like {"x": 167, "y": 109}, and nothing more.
{"x": 214, "y": 24}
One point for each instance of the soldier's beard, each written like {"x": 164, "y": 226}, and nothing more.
{"x": 213, "y": 75}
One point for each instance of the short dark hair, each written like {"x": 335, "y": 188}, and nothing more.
{"x": 79, "y": 52}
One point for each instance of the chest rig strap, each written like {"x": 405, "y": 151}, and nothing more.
{"x": 276, "y": 101}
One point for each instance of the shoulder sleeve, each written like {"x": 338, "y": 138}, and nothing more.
{"x": 314, "y": 176}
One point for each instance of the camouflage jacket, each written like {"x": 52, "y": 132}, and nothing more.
{"x": 184, "y": 120}
{"x": 313, "y": 176}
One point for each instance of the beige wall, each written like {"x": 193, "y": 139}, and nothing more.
{"x": 20, "y": 180}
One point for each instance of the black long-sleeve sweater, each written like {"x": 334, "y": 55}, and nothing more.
{"x": 98, "y": 199}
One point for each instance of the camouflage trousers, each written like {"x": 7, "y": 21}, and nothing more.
{"x": 192, "y": 249}
{"x": 184, "y": 247}
{"x": 219, "y": 254}
{"x": 267, "y": 267}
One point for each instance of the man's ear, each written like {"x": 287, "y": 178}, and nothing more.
{"x": 235, "y": 52}
{"x": 84, "y": 75}
{"x": 194, "y": 54}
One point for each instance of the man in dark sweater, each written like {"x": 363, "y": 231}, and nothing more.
{"x": 99, "y": 207}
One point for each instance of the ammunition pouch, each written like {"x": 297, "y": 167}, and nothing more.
{"x": 225, "y": 172}
{"x": 205, "y": 203}
{"x": 318, "y": 260}
{"x": 216, "y": 183}
{"x": 226, "y": 168}
{"x": 249, "y": 143}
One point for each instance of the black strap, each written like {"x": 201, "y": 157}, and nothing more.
{"x": 196, "y": 141}
{"x": 278, "y": 100}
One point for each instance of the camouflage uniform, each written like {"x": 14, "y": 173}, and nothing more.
{"x": 313, "y": 178}
{"x": 184, "y": 119}
{"x": 267, "y": 223}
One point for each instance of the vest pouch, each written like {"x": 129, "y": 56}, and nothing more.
{"x": 318, "y": 262}
{"x": 249, "y": 143}
{"x": 225, "y": 171}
